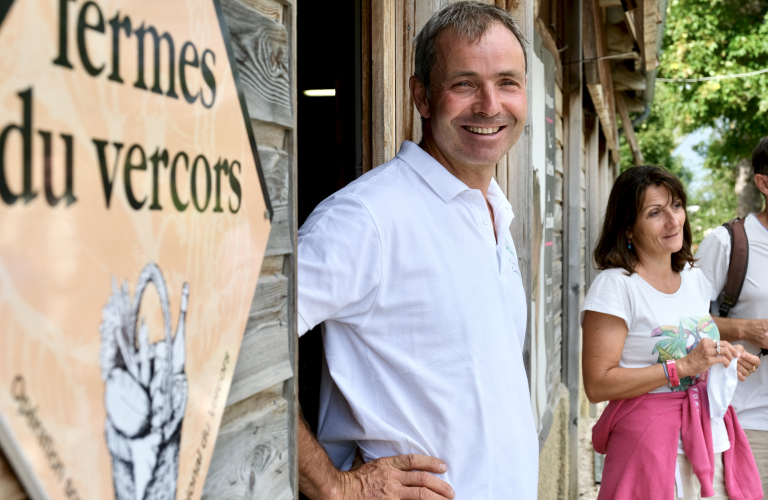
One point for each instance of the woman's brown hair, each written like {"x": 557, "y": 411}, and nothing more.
{"x": 625, "y": 202}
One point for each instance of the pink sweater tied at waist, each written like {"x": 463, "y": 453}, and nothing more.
{"x": 639, "y": 437}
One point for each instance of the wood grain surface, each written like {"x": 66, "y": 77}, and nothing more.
{"x": 261, "y": 50}
{"x": 255, "y": 455}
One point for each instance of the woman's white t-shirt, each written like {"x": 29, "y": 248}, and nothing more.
{"x": 661, "y": 326}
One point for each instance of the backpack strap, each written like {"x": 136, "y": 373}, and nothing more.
{"x": 737, "y": 267}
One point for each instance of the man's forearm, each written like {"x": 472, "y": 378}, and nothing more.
{"x": 318, "y": 478}
{"x": 754, "y": 331}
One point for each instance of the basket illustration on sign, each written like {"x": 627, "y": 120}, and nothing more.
{"x": 146, "y": 391}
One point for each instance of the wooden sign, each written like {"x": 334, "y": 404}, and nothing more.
{"x": 133, "y": 222}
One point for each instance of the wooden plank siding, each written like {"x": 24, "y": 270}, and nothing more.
{"x": 255, "y": 456}
{"x": 383, "y": 81}
{"x": 573, "y": 156}
{"x": 518, "y": 175}
{"x": 594, "y": 200}
{"x": 255, "y": 453}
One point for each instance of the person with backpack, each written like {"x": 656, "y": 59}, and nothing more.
{"x": 734, "y": 257}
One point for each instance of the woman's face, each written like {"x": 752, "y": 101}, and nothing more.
{"x": 658, "y": 229}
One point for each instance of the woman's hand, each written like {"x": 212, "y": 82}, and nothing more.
{"x": 748, "y": 363}
{"x": 704, "y": 355}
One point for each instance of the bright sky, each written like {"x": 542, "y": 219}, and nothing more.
{"x": 691, "y": 159}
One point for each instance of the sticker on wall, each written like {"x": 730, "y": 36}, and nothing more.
{"x": 133, "y": 222}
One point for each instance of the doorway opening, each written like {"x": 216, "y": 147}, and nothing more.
{"x": 329, "y": 136}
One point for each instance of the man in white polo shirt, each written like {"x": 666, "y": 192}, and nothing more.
{"x": 414, "y": 275}
{"x": 747, "y": 321}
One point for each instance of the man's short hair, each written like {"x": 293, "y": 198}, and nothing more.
{"x": 470, "y": 20}
{"x": 760, "y": 157}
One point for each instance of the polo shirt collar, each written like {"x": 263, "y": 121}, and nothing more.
{"x": 502, "y": 209}
{"x": 442, "y": 182}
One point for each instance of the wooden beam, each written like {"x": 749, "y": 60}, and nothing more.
{"x": 572, "y": 152}
{"x": 629, "y": 131}
{"x": 383, "y": 82}
{"x": 520, "y": 176}
{"x": 593, "y": 199}
{"x": 645, "y": 29}
{"x": 619, "y": 40}
{"x": 625, "y": 79}
{"x": 405, "y": 30}
{"x": 602, "y": 90}
{"x": 366, "y": 80}
{"x": 590, "y": 47}
{"x": 629, "y": 16}
{"x": 410, "y": 18}
{"x": 634, "y": 104}
{"x": 290, "y": 269}
{"x": 606, "y": 79}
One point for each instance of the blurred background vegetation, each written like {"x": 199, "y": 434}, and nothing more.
{"x": 706, "y": 38}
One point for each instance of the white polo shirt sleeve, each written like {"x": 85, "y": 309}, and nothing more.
{"x": 713, "y": 257}
{"x": 339, "y": 263}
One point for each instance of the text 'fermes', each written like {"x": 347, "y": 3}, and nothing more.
{"x": 90, "y": 21}
{"x": 189, "y": 180}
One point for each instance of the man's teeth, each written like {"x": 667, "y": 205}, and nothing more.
{"x": 479, "y": 130}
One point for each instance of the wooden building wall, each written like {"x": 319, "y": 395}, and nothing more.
{"x": 255, "y": 453}
{"x": 255, "y": 456}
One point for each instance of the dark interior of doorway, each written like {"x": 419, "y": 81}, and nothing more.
{"x": 329, "y": 137}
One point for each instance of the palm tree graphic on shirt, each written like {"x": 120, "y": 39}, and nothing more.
{"x": 678, "y": 341}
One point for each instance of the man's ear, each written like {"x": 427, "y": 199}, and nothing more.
{"x": 419, "y": 95}
{"x": 761, "y": 181}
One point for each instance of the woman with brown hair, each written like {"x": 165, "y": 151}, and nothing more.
{"x": 649, "y": 342}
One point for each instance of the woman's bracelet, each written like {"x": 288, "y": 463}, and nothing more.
{"x": 666, "y": 373}
{"x": 674, "y": 380}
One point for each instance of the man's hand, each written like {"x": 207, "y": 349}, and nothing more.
{"x": 402, "y": 477}
{"x": 754, "y": 331}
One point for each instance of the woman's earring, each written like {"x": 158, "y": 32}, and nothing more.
{"x": 630, "y": 245}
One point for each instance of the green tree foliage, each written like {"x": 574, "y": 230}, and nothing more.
{"x": 705, "y": 38}
{"x": 656, "y": 138}
{"x": 712, "y": 204}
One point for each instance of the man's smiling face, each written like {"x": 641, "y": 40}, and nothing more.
{"x": 478, "y": 103}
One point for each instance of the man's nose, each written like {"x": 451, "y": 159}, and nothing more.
{"x": 487, "y": 102}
